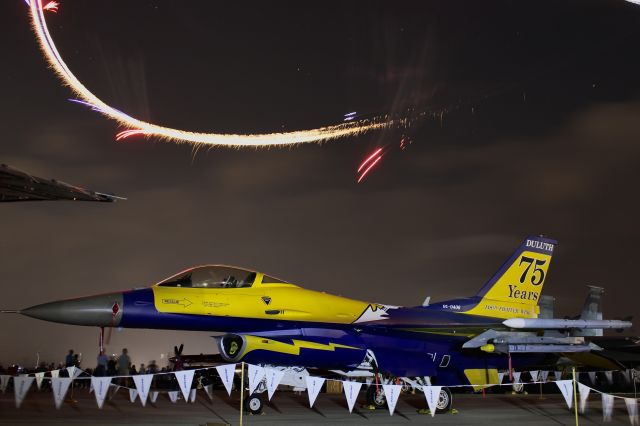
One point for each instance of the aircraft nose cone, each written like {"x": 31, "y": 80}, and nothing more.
{"x": 103, "y": 311}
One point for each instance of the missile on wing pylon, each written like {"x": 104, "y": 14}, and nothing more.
{"x": 563, "y": 324}
{"x": 528, "y": 348}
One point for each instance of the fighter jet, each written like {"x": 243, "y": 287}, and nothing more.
{"x": 270, "y": 321}
{"x": 16, "y": 185}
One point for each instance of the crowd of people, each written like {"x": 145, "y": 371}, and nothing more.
{"x": 120, "y": 365}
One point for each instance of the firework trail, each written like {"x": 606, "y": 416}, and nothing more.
{"x": 136, "y": 126}
{"x": 369, "y": 163}
{"x": 52, "y": 6}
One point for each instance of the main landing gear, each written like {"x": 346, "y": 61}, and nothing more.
{"x": 377, "y": 399}
{"x": 444, "y": 401}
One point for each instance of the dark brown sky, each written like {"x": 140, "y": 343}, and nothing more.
{"x": 540, "y": 136}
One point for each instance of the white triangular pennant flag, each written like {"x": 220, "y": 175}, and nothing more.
{"x": 544, "y": 375}
{"x": 100, "y": 389}
{"x": 609, "y": 376}
{"x": 314, "y": 384}
{"x": 391, "y": 393}
{"x": 351, "y": 390}
{"x": 185, "y": 378}
{"x": 133, "y": 394}
{"x": 59, "y": 386}
{"x": 143, "y": 384}
{"x": 557, "y": 375}
{"x": 4, "y": 382}
{"x": 39, "y": 379}
{"x": 173, "y": 396}
{"x": 592, "y": 377}
{"x": 273, "y": 380}
{"x": 535, "y": 374}
{"x": 192, "y": 396}
{"x": 256, "y": 374}
{"x": 566, "y": 387}
{"x": 607, "y": 407}
{"x": 500, "y": 378}
{"x": 209, "y": 389}
{"x": 432, "y": 394}
{"x": 583, "y": 391}
{"x": 153, "y": 396}
{"x": 21, "y": 386}
{"x": 74, "y": 372}
{"x": 632, "y": 409}
{"x": 226, "y": 373}
{"x": 516, "y": 376}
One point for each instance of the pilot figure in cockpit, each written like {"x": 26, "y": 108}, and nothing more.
{"x": 229, "y": 282}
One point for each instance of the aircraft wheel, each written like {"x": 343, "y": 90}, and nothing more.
{"x": 253, "y": 404}
{"x": 376, "y": 397}
{"x": 445, "y": 400}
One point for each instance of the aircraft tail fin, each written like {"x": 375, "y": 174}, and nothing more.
{"x": 592, "y": 310}
{"x": 514, "y": 290}
{"x": 546, "y": 304}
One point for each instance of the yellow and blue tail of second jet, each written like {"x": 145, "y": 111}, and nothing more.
{"x": 514, "y": 290}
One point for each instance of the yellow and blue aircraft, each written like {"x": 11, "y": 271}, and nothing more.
{"x": 271, "y": 321}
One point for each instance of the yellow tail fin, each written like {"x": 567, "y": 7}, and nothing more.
{"x": 514, "y": 291}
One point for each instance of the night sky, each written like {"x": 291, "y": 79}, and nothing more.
{"x": 538, "y": 134}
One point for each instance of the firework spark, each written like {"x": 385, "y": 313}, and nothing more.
{"x": 183, "y": 136}
{"x": 52, "y": 6}
{"x": 127, "y": 133}
{"x": 87, "y": 104}
{"x": 369, "y": 158}
{"x": 369, "y": 163}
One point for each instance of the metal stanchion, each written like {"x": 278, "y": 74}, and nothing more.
{"x": 541, "y": 397}
{"x": 575, "y": 397}
{"x": 241, "y": 390}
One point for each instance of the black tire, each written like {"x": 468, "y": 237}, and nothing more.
{"x": 376, "y": 396}
{"x": 253, "y": 404}
{"x": 445, "y": 401}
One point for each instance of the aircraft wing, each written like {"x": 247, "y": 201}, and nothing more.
{"x": 16, "y": 185}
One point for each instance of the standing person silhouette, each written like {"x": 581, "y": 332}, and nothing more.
{"x": 124, "y": 363}
{"x": 69, "y": 359}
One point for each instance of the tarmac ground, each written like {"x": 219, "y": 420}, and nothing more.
{"x": 290, "y": 408}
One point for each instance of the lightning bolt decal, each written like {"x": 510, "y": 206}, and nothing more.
{"x": 293, "y": 348}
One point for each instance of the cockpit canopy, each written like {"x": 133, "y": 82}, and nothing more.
{"x": 217, "y": 276}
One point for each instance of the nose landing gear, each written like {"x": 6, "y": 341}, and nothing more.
{"x": 254, "y": 404}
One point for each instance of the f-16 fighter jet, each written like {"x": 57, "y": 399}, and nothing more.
{"x": 270, "y": 321}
